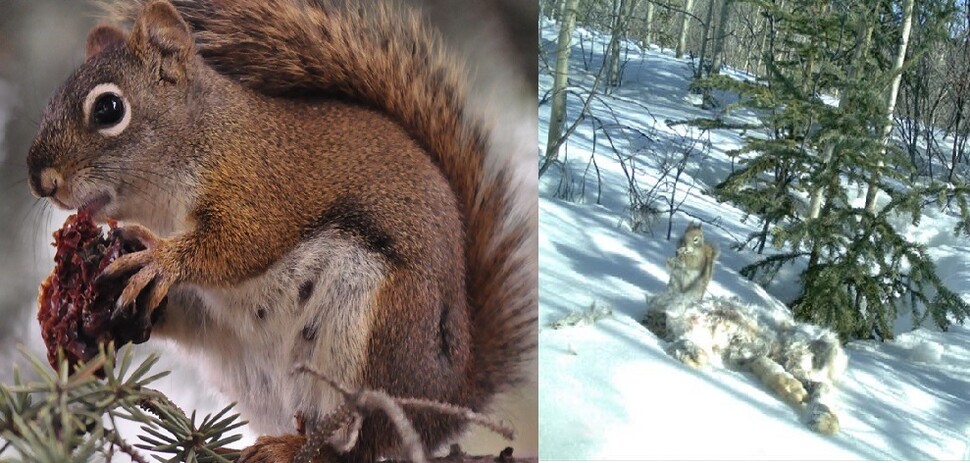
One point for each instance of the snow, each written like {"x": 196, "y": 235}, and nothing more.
{"x": 927, "y": 352}
{"x": 608, "y": 390}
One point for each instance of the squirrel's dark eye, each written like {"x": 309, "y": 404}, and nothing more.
{"x": 108, "y": 110}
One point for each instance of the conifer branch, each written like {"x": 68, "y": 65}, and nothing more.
{"x": 61, "y": 416}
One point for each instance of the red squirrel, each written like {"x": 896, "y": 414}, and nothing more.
{"x": 692, "y": 266}
{"x": 311, "y": 189}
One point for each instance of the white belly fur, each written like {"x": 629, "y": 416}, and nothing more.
{"x": 251, "y": 359}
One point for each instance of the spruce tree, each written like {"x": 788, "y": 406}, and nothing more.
{"x": 860, "y": 272}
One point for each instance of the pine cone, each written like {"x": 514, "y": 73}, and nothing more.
{"x": 75, "y": 313}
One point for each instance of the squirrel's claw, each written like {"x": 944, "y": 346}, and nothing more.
{"x": 125, "y": 264}
{"x": 150, "y": 284}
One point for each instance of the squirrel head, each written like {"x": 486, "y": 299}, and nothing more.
{"x": 105, "y": 141}
{"x": 693, "y": 237}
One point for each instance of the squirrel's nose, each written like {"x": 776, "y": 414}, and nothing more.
{"x": 44, "y": 183}
{"x": 42, "y": 177}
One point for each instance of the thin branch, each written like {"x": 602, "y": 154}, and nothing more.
{"x": 150, "y": 405}
{"x": 376, "y": 400}
{"x": 125, "y": 447}
{"x": 372, "y": 400}
{"x": 465, "y": 413}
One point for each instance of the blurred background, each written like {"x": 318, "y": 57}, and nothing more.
{"x": 42, "y": 41}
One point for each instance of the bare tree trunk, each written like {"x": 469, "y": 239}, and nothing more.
{"x": 557, "y": 115}
{"x": 861, "y": 49}
{"x": 648, "y": 32}
{"x": 762, "y": 48}
{"x": 620, "y": 12}
{"x": 720, "y": 35}
{"x": 684, "y": 27}
{"x": 559, "y": 10}
{"x": 705, "y": 38}
{"x": 887, "y": 127}
{"x": 958, "y": 145}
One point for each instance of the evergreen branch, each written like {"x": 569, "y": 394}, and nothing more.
{"x": 125, "y": 447}
{"x": 62, "y": 415}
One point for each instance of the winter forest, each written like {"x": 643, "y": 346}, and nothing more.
{"x": 822, "y": 146}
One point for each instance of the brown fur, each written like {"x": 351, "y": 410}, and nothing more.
{"x": 692, "y": 266}
{"x": 253, "y": 174}
{"x": 102, "y": 37}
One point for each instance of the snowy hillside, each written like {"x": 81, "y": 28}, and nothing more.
{"x": 608, "y": 390}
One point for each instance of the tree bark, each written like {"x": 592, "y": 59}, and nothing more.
{"x": 887, "y": 127}
{"x": 558, "y": 10}
{"x": 621, "y": 10}
{"x": 705, "y": 39}
{"x": 648, "y": 32}
{"x": 858, "y": 55}
{"x": 557, "y": 115}
{"x": 717, "y": 60}
{"x": 684, "y": 27}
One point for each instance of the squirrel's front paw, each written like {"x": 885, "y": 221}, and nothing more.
{"x": 154, "y": 276}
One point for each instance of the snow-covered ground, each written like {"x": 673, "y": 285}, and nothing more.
{"x": 609, "y": 391}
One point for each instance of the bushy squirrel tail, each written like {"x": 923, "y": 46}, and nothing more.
{"x": 387, "y": 58}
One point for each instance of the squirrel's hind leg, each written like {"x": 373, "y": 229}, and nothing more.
{"x": 276, "y": 449}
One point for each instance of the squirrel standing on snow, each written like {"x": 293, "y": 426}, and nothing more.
{"x": 311, "y": 189}
{"x": 692, "y": 267}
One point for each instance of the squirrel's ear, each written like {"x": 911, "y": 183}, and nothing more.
{"x": 160, "y": 33}
{"x": 101, "y": 37}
